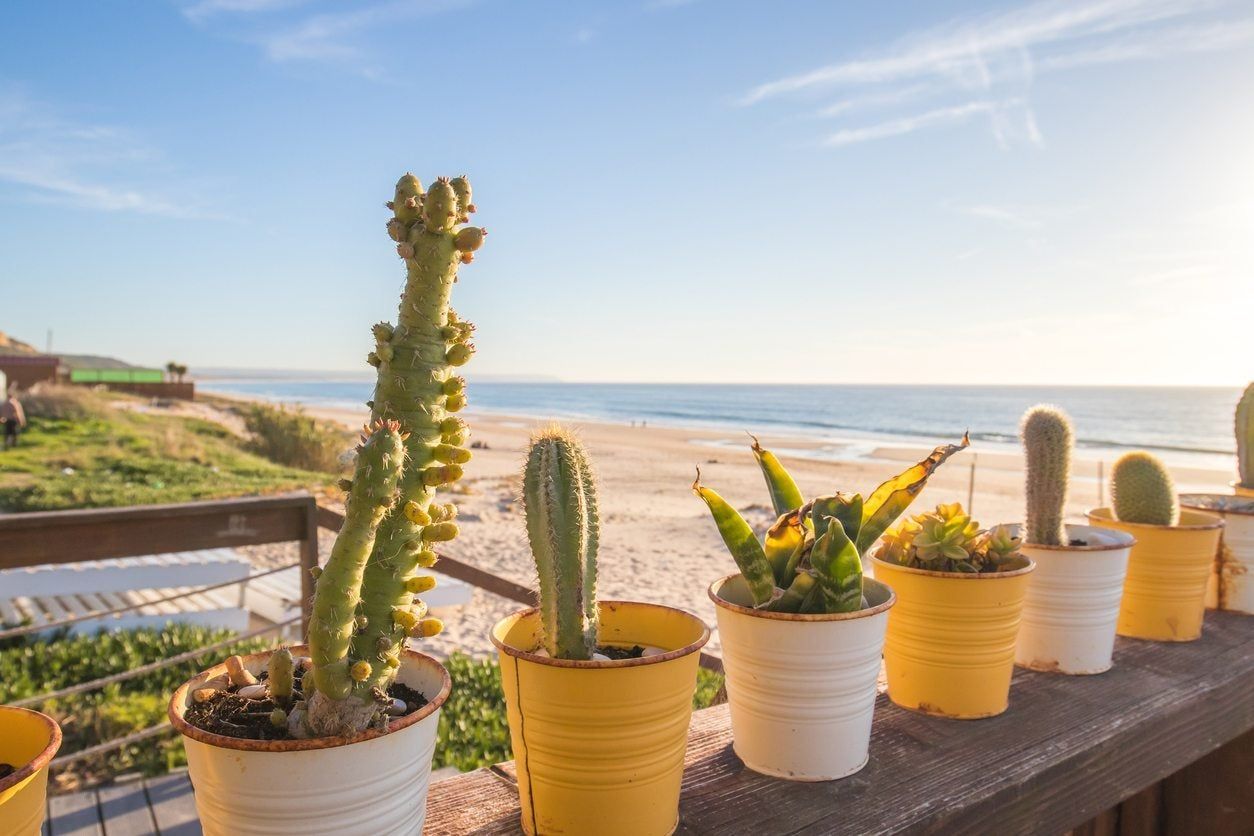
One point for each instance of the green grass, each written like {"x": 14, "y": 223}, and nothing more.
{"x": 118, "y": 457}
{"x": 473, "y": 728}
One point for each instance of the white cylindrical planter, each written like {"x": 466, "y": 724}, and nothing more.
{"x": 1072, "y": 602}
{"x": 1231, "y": 583}
{"x": 801, "y": 688}
{"x": 369, "y": 785}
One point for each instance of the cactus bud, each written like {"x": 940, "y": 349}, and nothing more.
{"x": 439, "y": 207}
{"x": 281, "y": 679}
{"x": 455, "y": 403}
{"x": 454, "y": 386}
{"x": 439, "y": 532}
{"x": 416, "y": 514}
{"x": 373, "y": 359}
{"x": 361, "y": 622}
{"x": 278, "y": 718}
{"x": 360, "y": 671}
{"x": 427, "y": 558}
{"x": 419, "y": 584}
{"x": 384, "y": 644}
{"x": 433, "y": 477}
{"x": 392, "y": 662}
{"x": 459, "y": 354}
{"x": 429, "y": 627}
{"x": 403, "y": 618}
{"x": 443, "y": 512}
{"x": 315, "y": 572}
{"x": 385, "y": 352}
{"x": 449, "y": 454}
{"x": 469, "y": 238}
{"x": 452, "y": 426}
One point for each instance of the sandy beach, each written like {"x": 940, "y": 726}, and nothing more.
{"x": 658, "y": 542}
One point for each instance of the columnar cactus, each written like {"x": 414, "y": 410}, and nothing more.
{"x": 365, "y": 605}
{"x": 1143, "y": 491}
{"x": 559, "y": 495}
{"x": 1047, "y": 439}
{"x": 1245, "y": 437}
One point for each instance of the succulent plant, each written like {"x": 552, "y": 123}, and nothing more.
{"x": 364, "y": 605}
{"x": 1047, "y": 441}
{"x": 810, "y": 560}
{"x": 1142, "y": 490}
{"x": 948, "y": 540}
{"x": 560, "y": 498}
{"x": 1245, "y": 437}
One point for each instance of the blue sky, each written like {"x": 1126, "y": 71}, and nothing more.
{"x": 954, "y": 192}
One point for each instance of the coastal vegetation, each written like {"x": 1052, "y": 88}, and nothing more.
{"x": 87, "y": 449}
{"x": 292, "y": 438}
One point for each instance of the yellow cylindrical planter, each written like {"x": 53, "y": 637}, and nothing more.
{"x": 599, "y": 746}
{"x": 1241, "y": 490}
{"x": 1164, "y": 594}
{"x": 28, "y": 740}
{"x": 950, "y": 647}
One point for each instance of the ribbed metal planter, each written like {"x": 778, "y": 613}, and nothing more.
{"x": 950, "y": 645}
{"x": 801, "y": 687}
{"x": 368, "y": 785}
{"x": 1164, "y": 595}
{"x": 599, "y": 746}
{"x": 28, "y": 740}
{"x": 1072, "y": 602}
{"x": 1231, "y": 583}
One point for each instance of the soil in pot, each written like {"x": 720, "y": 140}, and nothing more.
{"x": 226, "y": 713}
{"x": 6, "y": 770}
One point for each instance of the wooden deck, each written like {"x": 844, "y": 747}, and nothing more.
{"x": 1065, "y": 756}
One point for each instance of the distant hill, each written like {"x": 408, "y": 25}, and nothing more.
{"x": 10, "y": 346}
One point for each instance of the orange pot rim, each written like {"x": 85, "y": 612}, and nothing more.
{"x": 966, "y": 576}
{"x": 222, "y": 741}
{"x": 596, "y": 664}
{"x": 43, "y": 758}
{"x": 1107, "y": 514}
{"x": 799, "y": 616}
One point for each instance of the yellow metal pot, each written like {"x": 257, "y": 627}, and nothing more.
{"x": 1241, "y": 490}
{"x": 1164, "y": 594}
{"x": 599, "y": 746}
{"x": 28, "y": 740}
{"x": 950, "y": 647}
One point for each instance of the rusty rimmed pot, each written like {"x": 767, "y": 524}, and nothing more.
{"x": 1231, "y": 583}
{"x": 1241, "y": 490}
{"x": 599, "y": 746}
{"x": 950, "y": 645}
{"x": 1164, "y": 594}
{"x": 1072, "y": 602}
{"x": 801, "y": 687}
{"x": 28, "y": 741}
{"x": 369, "y": 784}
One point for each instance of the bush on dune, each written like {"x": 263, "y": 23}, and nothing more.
{"x": 290, "y": 437}
{"x": 62, "y": 403}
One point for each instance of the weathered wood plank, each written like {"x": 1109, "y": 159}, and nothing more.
{"x": 173, "y": 805}
{"x": 1068, "y": 749}
{"x": 124, "y": 810}
{"x": 100, "y": 533}
{"x": 1190, "y": 796}
{"x": 74, "y": 814}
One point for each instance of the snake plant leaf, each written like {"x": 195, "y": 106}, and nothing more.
{"x": 785, "y": 495}
{"x": 886, "y": 503}
{"x": 796, "y": 595}
{"x": 741, "y": 542}
{"x": 838, "y": 569}
{"x": 784, "y": 543}
{"x": 846, "y": 508}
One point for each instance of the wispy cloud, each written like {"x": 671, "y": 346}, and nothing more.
{"x": 204, "y": 9}
{"x": 45, "y": 157}
{"x": 1005, "y": 216}
{"x": 1003, "y": 52}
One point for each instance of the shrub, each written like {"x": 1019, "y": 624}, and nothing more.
{"x": 292, "y": 438}
{"x": 47, "y": 401}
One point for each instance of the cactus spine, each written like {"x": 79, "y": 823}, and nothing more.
{"x": 1143, "y": 491}
{"x": 559, "y": 495}
{"x": 364, "y": 610}
{"x": 1047, "y": 440}
{"x": 1245, "y": 437}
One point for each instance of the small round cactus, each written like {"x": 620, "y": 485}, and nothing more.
{"x": 1143, "y": 491}
{"x": 1047, "y": 439}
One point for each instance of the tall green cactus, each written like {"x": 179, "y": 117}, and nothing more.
{"x": 1142, "y": 490}
{"x": 1245, "y": 437}
{"x": 560, "y": 498}
{"x": 365, "y": 606}
{"x": 1047, "y": 440}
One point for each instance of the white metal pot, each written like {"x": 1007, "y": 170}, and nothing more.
{"x": 1072, "y": 602}
{"x": 801, "y": 688}
{"x": 1231, "y": 583}
{"x": 368, "y": 785}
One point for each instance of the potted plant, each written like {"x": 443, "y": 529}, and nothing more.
{"x": 1244, "y": 486}
{"x": 950, "y": 645}
{"x": 1072, "y": 600}
{"x": 1230, "y": 585}
{"x": 28, "y": 740}
{"x": 801, "y": 629}
{"x": 340, "y": 740}
{"x": 598, "y": 695}
{"x": 1164, "y": 594}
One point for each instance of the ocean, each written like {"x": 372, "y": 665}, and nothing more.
{"x": 1187, "y": 426}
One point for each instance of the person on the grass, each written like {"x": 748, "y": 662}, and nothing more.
{"x": 13, "y": 418}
